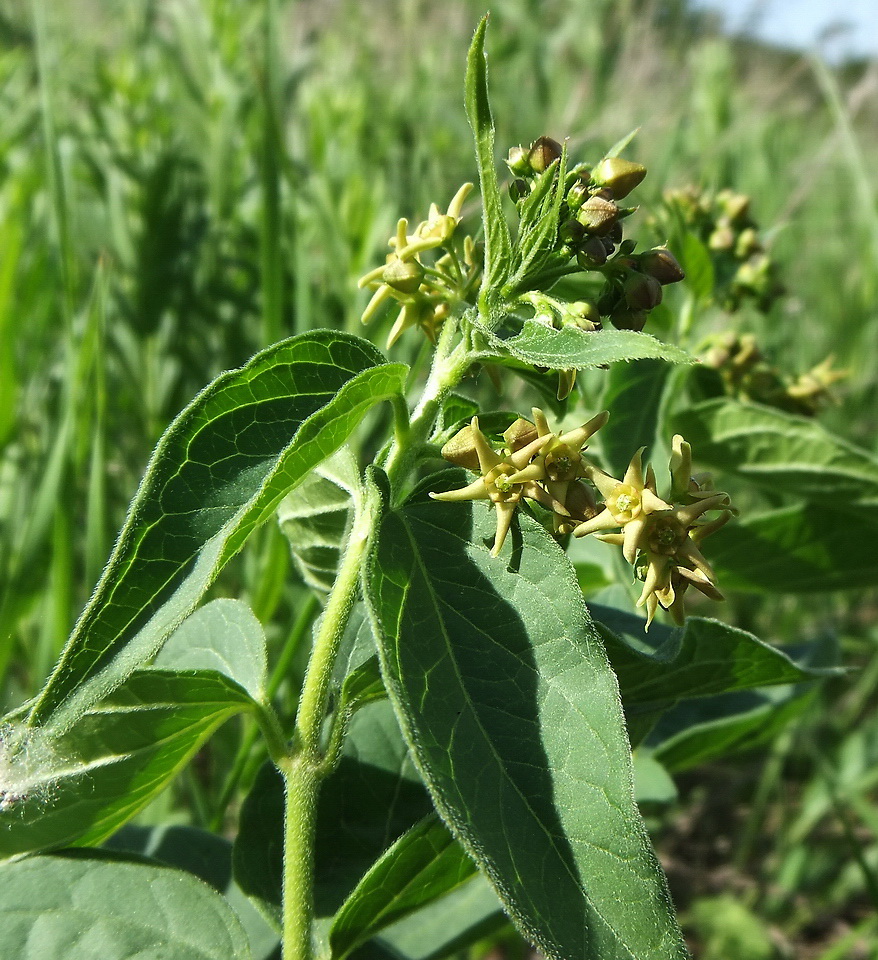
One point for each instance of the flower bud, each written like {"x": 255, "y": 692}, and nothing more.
{"x": 621, "y": 176}
{"x": 723, "y": 238}
{"x": 629, "y": 319}
{"x": 592, "y": 253}
{"x": 598, "y": 215}
{"x": 736, "y": 206}
{"x": 518, "y": 162}
{"x": 461, "y": 449}
{"x": 577, "y": 195}
{"x": 583, "y": 314}
{"x": 661, "y": 264}
{"x": 747, "y": 244}
{"x": 518, "y": 190}
{"x": 403, "y": 275}
{"x": 543, "y": 153}
{"x": 642, "y": 292}
{"x": 519, "y": 434}
{"x": 572, "y": 232}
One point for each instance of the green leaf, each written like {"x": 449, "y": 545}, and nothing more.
{"x": 101, "y": 909}
{"x": 371, "y": 799}
{"x": 805, "y": 548}
{"x": 633, "y": 396}
{"x": 83, "y": 785}
{"x": 315, "y": 518}
{"x": 218, "y": 472}
{"x": 443, "y": 929}
{"x": 209, "y": 858}
{"x": 506, "y": 696}
{"x": 779, "y": 451}
{"x": 697, "y": 731}
{"x": 498, "y": 244}
{"x": 621, "y": 145}
{"x": 538, "y": 228}
{"x": 703, "y": 658}
{"x": 652, "y": 782}
{"x": 424, "y": 863}
{"x": 698, "y": 266}
{"x": 225, "y": 636}
{"x": 363, "y": 685}
{"x": 572, "y": 348}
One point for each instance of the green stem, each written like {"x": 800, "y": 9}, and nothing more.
{"x": 305, "y": 770}
{"x": 450, "y": 363}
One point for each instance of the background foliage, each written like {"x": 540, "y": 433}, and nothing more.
{"x": 183, "y": 182}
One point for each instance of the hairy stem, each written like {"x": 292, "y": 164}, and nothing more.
{"x": 450, "y": 363}
{"x": 305, "y": 769}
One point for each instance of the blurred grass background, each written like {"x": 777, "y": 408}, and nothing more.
{"x": 183, "y": 182}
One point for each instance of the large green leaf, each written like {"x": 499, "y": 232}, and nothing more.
{"x": 371, "y": 799}
{"x": 498, "y": 244}
{"x": 804, "y": 548}
{"x": 572, "y": 348}
{"x": 95, "y": 908}
{"x": 703, "y": 658}
{"x": 442, "y": 929}
{"x": 315, "y": 518}
{"x": 697, "y": 731}
{"x": 423, "y": 865}
{"x": 506, "y": 696}
{"x": 206, "y": 856}
{"x": 83, "y": 785}
{"x": 784, "y": 453}
{"x": 225, "y": 636}
{"x": 219, "y": 471}
{"x": 633, "y": 396}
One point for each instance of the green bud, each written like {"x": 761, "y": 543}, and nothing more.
{"x": 543, "y": 153}
{"x": 572, "y": 232}
{"x": 583, "y": 314}
{"x": 747, "y": 244}
{"x": 598, "y": 215}
{"x": 577, "y": 195}
{"x": 592, "y": 253}
{"x": 518, "y": 162}
{"x": 518, "y": 190}
{"x": 403, "y": 275}
{"x": 642, "y": 292}
{"x": 621, "y": 176}
{"x": 736, "y": 206}
{"x": 661, "y": 264}
{"x": 723, "y": 238}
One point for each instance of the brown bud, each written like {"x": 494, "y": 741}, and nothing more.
{"x": 543, "y": 153}
{"x": 661, "y": 264}
{"x": 519, "y": 434}
{"x": 642, "y": 292}
{"x": 592, "y": 253}
{"x": 629, "y": 319}
{"x": 598, "y": 215}
{"x": 461, "y": 449}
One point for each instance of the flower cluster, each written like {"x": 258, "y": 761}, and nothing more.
{"x": 744, "y": 269}
{"x": 426, "y": 292}
{"x": 591, "y": 239}
{"x": 660, "y": 536}
{"x": 535, "y": 463}
{"x": 748, "y": 375}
